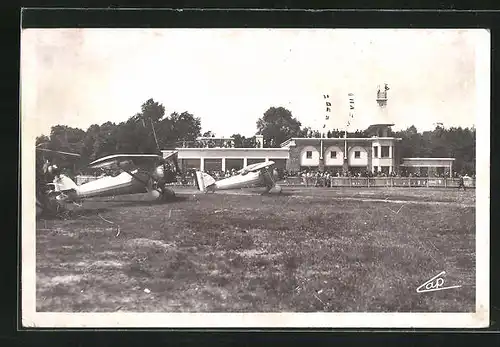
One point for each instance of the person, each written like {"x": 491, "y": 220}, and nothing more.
{"x": 461, "y": 182}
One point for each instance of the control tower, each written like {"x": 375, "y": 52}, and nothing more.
{"x": 382, "y": 112}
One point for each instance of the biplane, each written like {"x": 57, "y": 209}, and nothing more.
{"x": 255, "y": 175}
{"x": 139, "y": 173}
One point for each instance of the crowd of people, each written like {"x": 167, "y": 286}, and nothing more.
{"x": 210, "y": 144}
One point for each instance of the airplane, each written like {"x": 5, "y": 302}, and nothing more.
{"x": 43, "y": 201}
{"x": 141, "y": 173}
{"x": 255, "y": 175}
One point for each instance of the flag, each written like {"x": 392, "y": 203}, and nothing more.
{"x": 328, "y": 105}
{"x": 351, "y": 108}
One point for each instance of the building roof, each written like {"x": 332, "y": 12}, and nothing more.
{"x": 214, "y": 138}
{"x": 314, "y": 139}
{"x": 428, "y": 158}
{"x": 230, "y": 149}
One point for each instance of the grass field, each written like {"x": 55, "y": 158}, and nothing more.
{"x": 333, "y": 250}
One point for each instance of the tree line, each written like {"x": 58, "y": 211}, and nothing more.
{"x": 150, "y": 130}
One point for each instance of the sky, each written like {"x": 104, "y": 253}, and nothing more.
{"x": 230, "y": 77}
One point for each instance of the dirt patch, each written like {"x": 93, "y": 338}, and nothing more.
{"x": 106, "y": 264}
{"x": 65, "y": 280}
{"x": 141, "y": 243}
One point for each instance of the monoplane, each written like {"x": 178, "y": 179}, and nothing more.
{"x": 255, "y": 175}
{"x": 139, "y": 173}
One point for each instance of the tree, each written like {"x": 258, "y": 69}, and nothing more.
{"x": 41, "y": 140}
{"x": 90, "y": 138}
{"x": 151, "y": 110}
{"x": 105, "y": 140}
{"x": 277, "y": 125}
{"x": 151, "y": 114}
{"x": 185, "y": 126}
{"x": 208, "y": 134}
{"x": 457, "y": 143}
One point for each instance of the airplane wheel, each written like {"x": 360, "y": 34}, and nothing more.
{"x": 168, "y": 194}
{"x": 50, "y": 206}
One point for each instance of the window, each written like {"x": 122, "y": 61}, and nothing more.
{"x": 384, "y": 151}
{"x": 375, "y": 152}
{"x": 309, "y": 154}
{"x": 385, "y": 170}
{"x": 357, "y": 154}
{"x": 333, "y": 154}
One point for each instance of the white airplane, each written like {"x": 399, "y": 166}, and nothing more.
{"x": 255, "y": 175}
{"x": 142, "y": 173}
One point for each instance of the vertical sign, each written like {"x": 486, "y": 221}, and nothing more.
{"x": 351, "y": 115}
{"x": 351, "y": 108}
{"x": 328, "y": 106}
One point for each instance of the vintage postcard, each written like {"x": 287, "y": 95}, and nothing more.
{"x": 255, "y": 178}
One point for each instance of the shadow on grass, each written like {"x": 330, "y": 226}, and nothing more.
{"x": 74, "y": 214}
{"x": 136, "y": 202}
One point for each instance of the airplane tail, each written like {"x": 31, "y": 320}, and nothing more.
{"x": 203, "y": 180}
{"x": 63, "y": 183}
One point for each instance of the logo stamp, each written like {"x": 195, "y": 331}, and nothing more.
{"x": 434, "y": 284}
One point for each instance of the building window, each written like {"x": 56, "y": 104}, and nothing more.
{"x": 357, "y": 154}
{"x": 385, "y": 170}
{"x": 375, "y": 152}
{"x": 384, "y": 151}
{"x": 309, "y": 154}
{"x": 333, "y": 154}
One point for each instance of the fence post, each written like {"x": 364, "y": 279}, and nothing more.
{"x": 445, "y": 182}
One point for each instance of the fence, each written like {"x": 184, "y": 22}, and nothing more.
{"x": 427, "y": 182}
{"x": 413, "y": 182}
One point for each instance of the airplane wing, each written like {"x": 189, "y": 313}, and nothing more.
{"x": 256, "y": 167}
{"x": 130, "y": 162}
{"x": 115, "y": 161}
{"x": 58, "y": 152}
{"x": 170, "y": 155}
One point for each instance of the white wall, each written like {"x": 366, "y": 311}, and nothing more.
{"x": 338, "y": 161}
{"x": 361, "y": 161}
{"x": 195, "y": 153}
{"x": 314, "y": 161}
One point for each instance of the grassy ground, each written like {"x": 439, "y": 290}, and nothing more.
{"x": 307, "y": 250}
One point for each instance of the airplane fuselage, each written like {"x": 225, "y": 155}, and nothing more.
{"x": 108, "y": 186}
{"x": 251, "y": 179}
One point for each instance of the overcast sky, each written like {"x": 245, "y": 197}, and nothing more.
{"x": 229, "y": 78}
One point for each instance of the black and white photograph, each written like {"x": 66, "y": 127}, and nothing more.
{"x": 283, "y": 178}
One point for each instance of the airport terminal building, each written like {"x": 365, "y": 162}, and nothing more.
{"x": 375, "y": 153}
